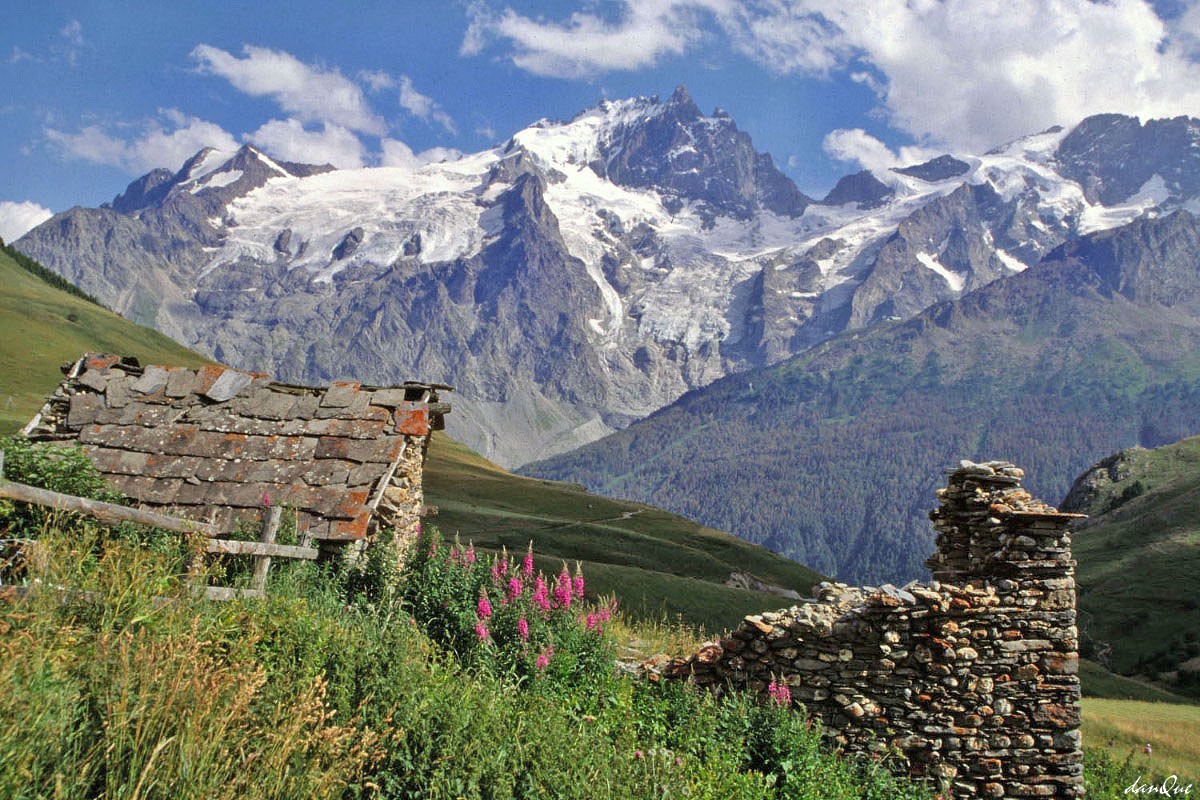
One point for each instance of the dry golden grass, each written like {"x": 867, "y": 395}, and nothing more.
{"x": 1173, "y": 732}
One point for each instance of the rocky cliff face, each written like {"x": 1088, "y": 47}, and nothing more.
{"x": 587, "y": 272}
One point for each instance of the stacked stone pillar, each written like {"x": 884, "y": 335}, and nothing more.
{"x": 968, "y": 681}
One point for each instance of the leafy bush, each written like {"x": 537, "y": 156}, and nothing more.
{"x": 65, "y": 469}
{"x": 1106, "y": 778}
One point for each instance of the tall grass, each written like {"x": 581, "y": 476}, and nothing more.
{"x": 115, "y": 682}
{"x": 112, "y": 690}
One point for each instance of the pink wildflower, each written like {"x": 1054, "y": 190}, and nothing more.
{"x": 266, "y": 500}
{"x": 523, "y": 629}
{"x": 541, "y": 595}
{"x": 453, "y": 554}
{"x": 578, "y": 586}
{"x": 469, "y": 556}
{"x": 543, "y": 659}
{"x": 591, "y": 622}
{"x": 484, "y": 608}
{"x": 527, "y": 563}
{"x": 562, "y": 589}
{"x": 481, "y": 631}
{"x": 515, "y": 587}
{"x": 638, "y": 755}
{"x": 779, "y": 693}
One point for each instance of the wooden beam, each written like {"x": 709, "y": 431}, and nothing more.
{"x": 225, "y": 593}
{"x": 262, "y": 561}
{"x": 231, "y": 547}
{"x": 386, "y": 480}
{"x": 108, "y": 512}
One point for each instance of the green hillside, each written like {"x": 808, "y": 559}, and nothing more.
{"x": 657, "y": 563}
{"x": 42, "y": 326}
{"x": 1139, "y": 557}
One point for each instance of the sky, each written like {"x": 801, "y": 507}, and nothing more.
{"x": 99, "y": 92}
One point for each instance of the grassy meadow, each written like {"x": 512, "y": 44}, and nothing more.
{"x": 42, "y": 326}
{"x": 1171, "y": 729}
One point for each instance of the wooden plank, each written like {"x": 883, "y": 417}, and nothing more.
{"x": 262, "y": 561}
{"x": 386, "y": 480}
{"x": 231, "y": 547}
{"x": 226, "y": 593}
{"x": 100, "y": 510}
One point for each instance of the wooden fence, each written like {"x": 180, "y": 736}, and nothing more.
{"x": 263, "y": 550}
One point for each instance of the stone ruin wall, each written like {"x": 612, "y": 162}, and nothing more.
{"x": 970, "y": 679}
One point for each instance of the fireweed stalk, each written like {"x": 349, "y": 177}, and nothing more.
{"x": 502, "y": 617}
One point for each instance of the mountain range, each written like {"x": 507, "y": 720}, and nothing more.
{"x": 794, "y": 370}
{"x": 585, "y": 273}
{"x": 833, "y": 457}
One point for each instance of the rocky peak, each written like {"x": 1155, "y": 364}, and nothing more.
{"x": 145, "y": 192}
{"x": 942, "y": 168}
{"x": 1113, "y": 156}
{"x": 679, "y": 151}
{"x": 1149, "y": 261}
{"x": 682, "y": 106}
{"x": 862, "y": 188}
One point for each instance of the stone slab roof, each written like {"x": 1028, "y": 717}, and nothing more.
{"x": 219, "y": 444}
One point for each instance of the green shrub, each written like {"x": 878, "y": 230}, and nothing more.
{"x": 65, "y": 469}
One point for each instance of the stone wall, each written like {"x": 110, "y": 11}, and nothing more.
{"x": 969, "y": 681}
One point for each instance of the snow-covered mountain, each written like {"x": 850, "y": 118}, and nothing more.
{"x": 586, "y": 273}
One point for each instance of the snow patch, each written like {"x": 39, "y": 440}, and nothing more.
{"x": 953, "y": 279}
{"x": 390, "y": 204}
{"x": 216, "y": 180}
{"x": 1010, "y": 262}
{"x": 1152, "y": 194}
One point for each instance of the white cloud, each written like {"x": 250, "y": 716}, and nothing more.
{"x": 1185, "y": 31}
{"x": 587, "y": 44}
{"x": 414, "y": 102}
{"x": 165, "y": 142}
{"x": 785, "y": 36}
{"x": 306, "y": 92}
{"x": 70, "y": 42}
{"x": 376, "y": 80}
{"x": 856, "y": 145}
{"x": 290, "y": 141}
{"x": 16, "y": 219}
{"x": 969, "y": 74}
{"x": 424, "y": 107}
{"x": 976, "y": 73}
{"x": 18, "y": 55}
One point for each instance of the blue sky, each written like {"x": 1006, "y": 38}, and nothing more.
{"x": 97, "y": 93}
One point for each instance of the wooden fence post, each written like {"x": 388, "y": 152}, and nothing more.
{"x": 269, "y": 532}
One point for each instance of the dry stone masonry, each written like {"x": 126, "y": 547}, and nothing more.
{"x": 969, "y": 681}
{"x": 220, "y": 445}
